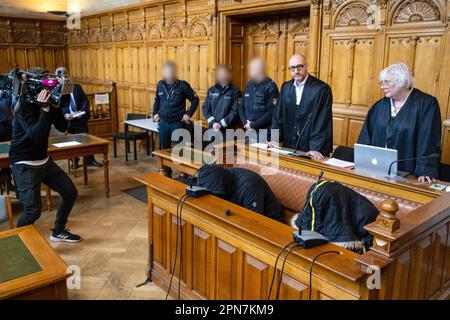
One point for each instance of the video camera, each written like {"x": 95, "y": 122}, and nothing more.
{"x": 26, "y": 86}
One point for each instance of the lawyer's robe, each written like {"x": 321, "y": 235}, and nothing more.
{"x": 290, "y": 119}
{"x": 415, "y": 131}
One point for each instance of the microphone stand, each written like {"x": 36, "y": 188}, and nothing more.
{"x": 298, "y": 139}
{"x": 432, "y": 156}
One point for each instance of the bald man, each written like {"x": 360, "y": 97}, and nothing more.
{"x": 259, "y": 98}
{"x": 303, "y": 114}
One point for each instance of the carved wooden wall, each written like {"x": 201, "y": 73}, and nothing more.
{"x": 130, "y": 46}
{"x": 348, "y": 42}
{"x": 273, "y": 38}
{"x": 28, "y": 43}
{"x": 360, "y": 38}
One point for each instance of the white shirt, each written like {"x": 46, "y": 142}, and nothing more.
{"x": 299, "y": 89}
{"x": 34, "y": 162}
{"x": 393, "y": 111}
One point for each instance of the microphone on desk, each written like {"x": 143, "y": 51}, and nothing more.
{"x": 300, "y": 136}
{"x": 431, "y": 156}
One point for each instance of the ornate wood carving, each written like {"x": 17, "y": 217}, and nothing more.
{"x": 175, "y": 28}
{"x": 353, "y": 15}
{"x": 136, "y": 32}
{"x": 154, "y": 31}
{"x": 120, "y": 32}
{"x": 411, "y": 11}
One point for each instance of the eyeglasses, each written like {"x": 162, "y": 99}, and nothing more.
{"x": 386, "y": 83}
{"x": 297, "y": 67}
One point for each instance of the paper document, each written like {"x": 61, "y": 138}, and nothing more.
{"x": 77, "y": 114}
{"x": 339, "y": 163}
{"x": 271, "y": 149}
{"x": 66, "y": 144}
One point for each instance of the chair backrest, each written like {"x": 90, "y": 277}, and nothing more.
{"x": 344, "y": 153}
{"x": 444, "y": 172}
{"x": 136, "y": 116}
{"x": 55, "y": 132}
{"x": 6, "y": 210}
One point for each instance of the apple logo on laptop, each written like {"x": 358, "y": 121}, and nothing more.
{"x": 374, "y": 161}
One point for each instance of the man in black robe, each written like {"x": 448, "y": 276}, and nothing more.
{"x": 242, "y": 187}
{"x": 259, "y": 99}
{"x": 407, "y": 120}
{"x": 303, "y": 115}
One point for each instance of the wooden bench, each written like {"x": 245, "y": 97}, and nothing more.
{"x": 232, "y": 257}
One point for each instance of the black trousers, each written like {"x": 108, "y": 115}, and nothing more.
{"x": 28, "y": 184}
{"x": 165, "y": 131}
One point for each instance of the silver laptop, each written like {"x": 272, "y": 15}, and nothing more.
{"x": 375, "y": 160}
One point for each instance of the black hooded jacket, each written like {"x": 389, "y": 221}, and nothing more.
{"x": 242, "y": 187}
{"x": 338, "y": 213}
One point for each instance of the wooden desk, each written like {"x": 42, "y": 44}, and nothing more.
{"x": 232, "y": 257}
{"x": 89, "y": 145}
{"x": 410, "y": 190}
{"x": 148, "y": 125}
{"x": 49, "y": 283}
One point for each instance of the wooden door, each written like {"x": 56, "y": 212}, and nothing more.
{"x": 273, "y": 39}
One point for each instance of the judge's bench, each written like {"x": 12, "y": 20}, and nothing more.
{"x": 229, "y": 252}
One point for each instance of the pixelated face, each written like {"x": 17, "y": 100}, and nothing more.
{"x": 169, "y": 72}
{"x": 223, "y": 75}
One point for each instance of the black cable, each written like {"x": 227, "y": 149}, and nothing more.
{"x": 312, "y": 265}
{"x": 275, "y": 267}
{"x": 176, "y": 248}
{"x": 180, "y": 273}
{"x": 282, "y": 271}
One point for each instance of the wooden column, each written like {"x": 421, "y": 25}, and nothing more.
{"x": 314, "y": 36}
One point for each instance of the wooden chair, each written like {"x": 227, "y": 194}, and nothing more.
{"x": 132, "y": 135}
{"x": 6, "y": 210}
{"x": 444, "y": 172}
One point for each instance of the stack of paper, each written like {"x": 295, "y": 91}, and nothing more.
{"x": 339, "y": 163}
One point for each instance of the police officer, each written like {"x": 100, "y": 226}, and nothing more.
{"x": 170, "y": 104}
{"x": 259, "y": 99}
{"x": 221, "y": 107}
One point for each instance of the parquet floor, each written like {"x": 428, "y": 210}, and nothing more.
{"x": 113, "y": 254}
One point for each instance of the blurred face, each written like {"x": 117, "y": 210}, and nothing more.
{"x": 169, "y": 73}
{"x": 256, "y": 70}
{"x": 297, "y": 68}
{"x": 223, "y": 76}
{"x": 389, "y": 87}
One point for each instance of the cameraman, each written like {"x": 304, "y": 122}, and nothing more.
{"x": 31, "y": 165}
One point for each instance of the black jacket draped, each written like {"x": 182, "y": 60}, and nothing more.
{"x": 242, "y": 187}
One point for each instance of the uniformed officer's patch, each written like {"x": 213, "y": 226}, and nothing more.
{"x": 275, "y": 102}
{"x": 160, "y": 93}
{"x": 213, "y": 95}
{"x": 247, "y": 95}
{"x": 227, "y": 97}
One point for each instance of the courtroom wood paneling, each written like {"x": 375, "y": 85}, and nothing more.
{"x": 26, "y": 43}
{"x": 363, "y": 37}
{"x": 226, "y": 273}
{"x": 352, "y": 41}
